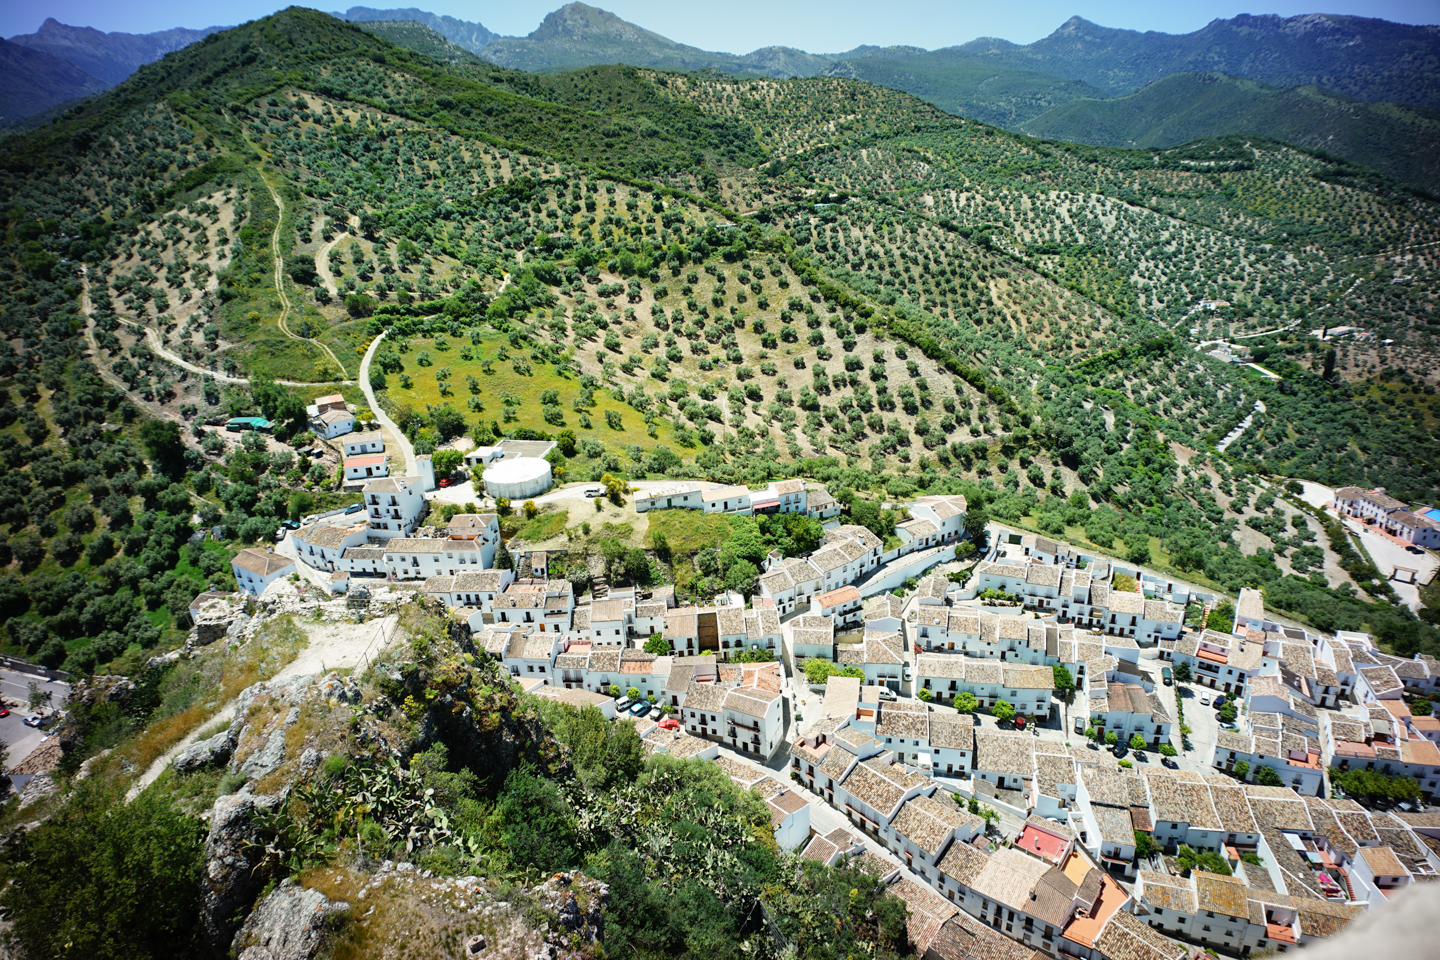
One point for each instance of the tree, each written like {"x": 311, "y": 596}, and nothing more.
{"x": 1181, "y": 673}
{"x": 37, "y": 698}
{"x": 925, "y": 694}
{"x": 106, "y": 878}
{"x": 528, "y": 510}
{"x": 615, "y": 690}
{"x": 1003, "y": 711}
{"x": 446, "y": 461}
{"x": 1064, "y": 683}
{"x": 162, "y": 442}
{"x": 633, "y": 693}
{"x": 1137, "y": 742}
{"x": 966, "y": 702}
{"x": 1227, "y": 713}
{"x": 1421, "y": 707}
{"x": 976, "y": 520}
{"x": 537, "y": 824}
{"x": 657, "y": 645}
{"x": 1145, "y": 845}
{"x": 1208, "y": 861}
{"x": 1267, "y": 777}
{"x": 817, "y": 671}
{"x": 1241, "y": 769}
{"x": 1166, "y": 750}
{"x": 1111, "y": 738}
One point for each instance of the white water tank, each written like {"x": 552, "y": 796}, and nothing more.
{"x": 518, "y": 478}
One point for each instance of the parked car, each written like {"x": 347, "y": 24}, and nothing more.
{"x": 446, "y": 482}
{"x": 1167, "y": 676}
{"x": 34, "y": 720}
{"x": 669, "y": 723}
{"x": 1079, "y": 724}
{"x": 1019, "y": 723}
{"x": 1219, "y": 702}
{"x": 1228, "y": 726}
{"x": 593, "y": 492}
{"x": 4, "y": 711}
{"x": 355, "y": 508}
{"x": 655, "y": 713}
{"x": 641, "y": 708}
{"x": 294, "y": 524}
{"x": 887, "y": 694}
{"x": 623, "y": 704}
{"x": 280, "y": 533}
{"x": 1205, "y": 700}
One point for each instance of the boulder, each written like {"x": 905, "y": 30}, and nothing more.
{"x": 267, "y": 759}
{"x": 206, "y": 753}
{"x": 233, "y": 851}
{"x": 292, "y": 923}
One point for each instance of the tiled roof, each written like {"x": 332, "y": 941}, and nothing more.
{"x": 1009, "y": 876}
{"x": 1004, "y": 753}
{"x": 1166, "y": 892}
{"x": 964, "y": 938}
{"x": 928, "y": 822}
{"x": 1127, "y": 937}
{"x": 951, "y": 730}
{"x": 1383, "y": 862}
{"x": 261, "y": 562}
{"x": 1224, "y": 895}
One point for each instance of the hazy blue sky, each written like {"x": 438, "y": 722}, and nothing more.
{"x": 738, "y": 26}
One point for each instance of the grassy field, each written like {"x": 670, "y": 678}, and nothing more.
{"x": 523, "y": 391}
{"x": 688, "y": 531}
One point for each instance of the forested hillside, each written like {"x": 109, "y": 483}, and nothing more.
{"x": 682, "y": 276}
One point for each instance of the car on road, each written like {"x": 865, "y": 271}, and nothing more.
{"x": 280, "y": 533}
{"x": 641, "y": 708}
{"x": 593, "y": 492}
{"x": 355, "y": 508}
{"x": 1079, "y": 724}
{"x": 34, "y": 720}
{"x": 887, "y": 694}
{"x": 1167, "y": 676}
{"x": 446, "y": 482}
{"x": 4, "y": 711}
{"x": 1205, "y": 700}
{"x": 669, "y": 723}
{"x": 655, "y": 713}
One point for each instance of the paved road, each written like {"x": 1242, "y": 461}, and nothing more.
{"x": 19, "y": 739}
{"x": 466, "y": 492}
{"x": 398, "y": 437}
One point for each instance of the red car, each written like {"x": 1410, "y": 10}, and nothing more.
{"x": 4, "y": 711}
{"x": 669, "y": 723}
{"x": 446, "y": 482}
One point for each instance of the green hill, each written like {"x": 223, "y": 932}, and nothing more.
{"x": 1398, "y": 141}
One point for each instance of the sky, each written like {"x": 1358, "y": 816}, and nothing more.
{"x": 739, "y": 26}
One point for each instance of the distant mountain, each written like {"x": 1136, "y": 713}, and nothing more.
{"x": 960, "y": 83}
{"x": 32, "y": 81}
{"x": 579, "y": 35}
{"x": 418, "y": 37}
{"x": 1364, "y": 58}
{"x": 463, "y": 33}
{"x": 1396, "y": 140}
{"x": 109, "y": 56}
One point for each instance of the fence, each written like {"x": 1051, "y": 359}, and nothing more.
{"x": 379, "y": 640}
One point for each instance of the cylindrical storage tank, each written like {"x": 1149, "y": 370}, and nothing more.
{"x": 517, "y": 479}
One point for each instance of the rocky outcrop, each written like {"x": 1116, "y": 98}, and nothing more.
{"x": 206, "y": 753}
{"x": 233, "y": 851}
{"x": 292, "y": 923}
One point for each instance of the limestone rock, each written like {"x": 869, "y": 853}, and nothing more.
{"x": 232, "y": 853}
{"x": 267, "y": 759}
{"x": 292, "y": 923}
{"x": 206, "y": 753}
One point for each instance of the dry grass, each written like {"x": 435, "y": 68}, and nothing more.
{"x": 399, "y": 917}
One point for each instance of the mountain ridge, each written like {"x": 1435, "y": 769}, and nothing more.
{"x": 110, "y": 57}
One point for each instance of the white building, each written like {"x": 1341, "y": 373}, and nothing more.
{"x": 681, "y": 496}
{"x": 420, "y": 558}
{"x": 517, "y": 479}
{"x": 322, "y": 545}
{"x": 394, "y": 506}
{"x": 332, "y": 423}
{"x": 256, "y": 569}
{"x": 366, "y": 466}
{"x": 357, "y": 444}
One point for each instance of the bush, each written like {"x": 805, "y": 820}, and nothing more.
{"x": 1267, "y": 777}
{"x": 1372, "y": 786}
{"x": 105, "y": 878}
{"x": 1241, "y": 769}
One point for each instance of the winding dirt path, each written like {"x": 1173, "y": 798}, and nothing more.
{"x": 322, "y": 260}
{"x": 285, "y": 306}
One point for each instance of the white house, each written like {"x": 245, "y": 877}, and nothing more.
{"x": 681, "y": 496}
{"x": 366, "y": 466}
{"x": 420, "y": 558}
{"x": 394, "y": 506}
{"x": 332, "y": 423}
{"x": 357, "y": 444}
{"x": 256, "y": 569}
{"x": 321, "y": 545}
{"x": 733, "y": 499}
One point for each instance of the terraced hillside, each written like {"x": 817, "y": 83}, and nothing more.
{"x": 695, "y": 275}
